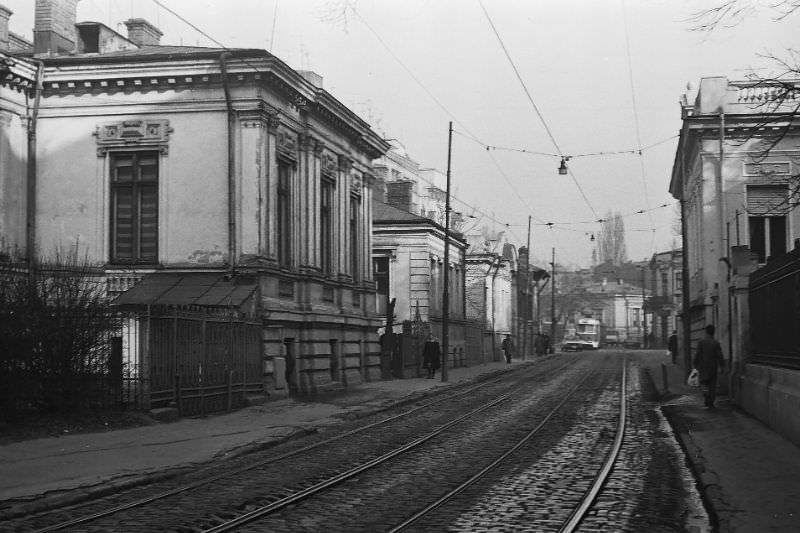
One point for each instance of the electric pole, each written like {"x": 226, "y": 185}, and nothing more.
{"x": 446, "y": 292}
{"x": 553, "y": 304}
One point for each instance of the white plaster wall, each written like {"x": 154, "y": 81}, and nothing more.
{"x": 74, "y": 197}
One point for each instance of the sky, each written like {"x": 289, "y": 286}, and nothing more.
{"x": 524, "y": 82}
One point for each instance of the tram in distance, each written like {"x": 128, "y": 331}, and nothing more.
{"x": 590, "y": 333}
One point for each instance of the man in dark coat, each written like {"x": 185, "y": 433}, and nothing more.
{"x": 707, "y": 359}
{"x": 431, "y": 356}
{"x": 538, "y": 345}
{"x": 508, "y": 348}
{"x": 673, "y": 346}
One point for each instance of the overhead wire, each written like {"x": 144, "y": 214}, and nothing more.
{"x": 439, "y": 103}
{"x": 533, "y": 104}
{"x": 206, "y": 35}
{"x": 635, "y": 106}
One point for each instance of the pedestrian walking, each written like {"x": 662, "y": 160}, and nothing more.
{"x": 508, "y": 348}
{"x": 546, "y": 343}
{"x": 538, "y": 345}
{"x": 431, "y": 356}
{"x": 673, "y": 346}
{"x": 707, "y": 359}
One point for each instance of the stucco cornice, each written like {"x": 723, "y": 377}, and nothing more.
{"x": 99, "y": 75}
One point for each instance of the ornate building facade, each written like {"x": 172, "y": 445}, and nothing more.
{"x": 164, "y": 163}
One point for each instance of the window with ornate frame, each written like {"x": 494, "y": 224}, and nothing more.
{"x": 134, "y": 206}
{"x": 355, "y": 237}
{"x": 326, "y": 225}
{"x": 284, "y": 214}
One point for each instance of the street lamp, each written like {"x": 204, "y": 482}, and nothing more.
{"x": 562, "y": 169}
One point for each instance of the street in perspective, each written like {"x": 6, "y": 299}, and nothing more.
{"x": 383, "y": 266}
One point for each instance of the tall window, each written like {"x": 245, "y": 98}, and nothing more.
{"x": 134, "y": 207}
{"x": 664, "y": 283}
{"x": 284, "y": 227}
{"x": 355, "y": 242}
{"x": 767, "y": 236}
{"x": 326, "y": 226}
{"x": 381, "y": 275}
{"x": 767, "y": 205}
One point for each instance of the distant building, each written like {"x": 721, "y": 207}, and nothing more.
{"x": 491, "y": 292}
{"x": 408, "y": 261}
{"x": 664, "y": 304}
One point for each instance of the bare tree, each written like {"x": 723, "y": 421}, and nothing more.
{"x": 729, "y": 13}
{"x": 611, "y": 245}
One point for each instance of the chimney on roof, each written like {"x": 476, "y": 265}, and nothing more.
{"x": 311, "y": 77}
{"x": 142, "y": 33}
{"x": 54, "y": 26}
{"x": 5, "y": 14}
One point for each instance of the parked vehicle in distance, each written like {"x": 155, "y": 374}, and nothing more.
{"x": 572, "y": 344}
{"x": 633, "y": 341}
{"x": 611, "y": 338}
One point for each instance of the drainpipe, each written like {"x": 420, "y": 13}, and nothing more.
{"x": 30, "y": 213}
{"x": 231, "y": 165}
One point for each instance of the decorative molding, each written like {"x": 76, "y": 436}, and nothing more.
{"x": 287, "y": 144}
{"x": 345, "y": 163}
{"x": 776, "y": 168}
{"x": 329, "y": 164}
{"x": 133, "y": 133}
{"x": 356, "y": 184}
{"x": 273, "y": 123}
{"x": 306, "y": 141}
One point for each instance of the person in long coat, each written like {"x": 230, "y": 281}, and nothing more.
{"x": 707, "y": 359}
{"x": 673, "y": 346}
{"x": 431, "y": 356}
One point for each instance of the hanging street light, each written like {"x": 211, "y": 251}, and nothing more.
{"x": 562, "y": 170}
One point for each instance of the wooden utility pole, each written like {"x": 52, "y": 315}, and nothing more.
{"x": 446, "y": 292}
{"x": 553, "y": 304}
{"x": 526, "y": 278}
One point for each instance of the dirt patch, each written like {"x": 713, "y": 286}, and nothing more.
{"x": 42, "y": 425}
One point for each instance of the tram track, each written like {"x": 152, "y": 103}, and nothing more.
{"x": 88, "y": 518}
{"x": 571, "y": 510}
{"x": 575, "y": 515}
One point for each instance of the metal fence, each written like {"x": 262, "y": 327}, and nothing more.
{"x": 203, "y": 364}
{"x": 775, "y": 312}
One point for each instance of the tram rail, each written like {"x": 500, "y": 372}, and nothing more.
{"x": 142, "y": 502}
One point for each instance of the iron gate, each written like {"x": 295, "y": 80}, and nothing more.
{"x": 203, "y": 364}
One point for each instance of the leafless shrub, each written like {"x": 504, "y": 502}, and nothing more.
{"x": 55, "y": 328}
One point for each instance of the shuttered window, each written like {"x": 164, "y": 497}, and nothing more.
{"x": 767, "y": 200}
{"x": 284, "y": 229}
{"x": 766, "y": 209}
{"x": 326, "y": 226}
{"x": 355, "y": 238}
{"x": 134, "y": 207}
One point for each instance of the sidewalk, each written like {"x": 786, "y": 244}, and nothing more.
{"x": 36, "y": 474}
{"x": 748, "y": 475}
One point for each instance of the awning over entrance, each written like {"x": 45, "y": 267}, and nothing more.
{"x": 189, "y": 289}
